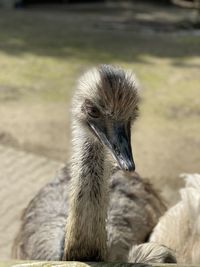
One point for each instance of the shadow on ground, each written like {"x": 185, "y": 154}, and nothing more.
{"x": 95, "y": 35}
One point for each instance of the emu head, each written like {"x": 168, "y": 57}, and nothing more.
{"x": 106, "y": 103}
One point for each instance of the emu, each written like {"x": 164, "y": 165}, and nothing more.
{"x": 94, "y": 211}
{"x": 179, "y": 228}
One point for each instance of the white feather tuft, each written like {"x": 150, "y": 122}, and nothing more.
{"x": 179, "y": 228}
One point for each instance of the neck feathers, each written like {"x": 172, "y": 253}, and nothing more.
{"x": 86, "y": 227}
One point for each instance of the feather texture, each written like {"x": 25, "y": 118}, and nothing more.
{"x": 134, "y": 209}
{"x": 179, "y": 228}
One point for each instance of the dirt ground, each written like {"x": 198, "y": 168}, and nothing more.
{"x": 22, "y": 175}
{"x": 43, "y": 50}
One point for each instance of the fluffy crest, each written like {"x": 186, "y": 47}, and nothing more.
{"x": 112, "y": 90}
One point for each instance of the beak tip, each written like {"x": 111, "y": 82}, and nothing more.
{"x": 128, "y": 166}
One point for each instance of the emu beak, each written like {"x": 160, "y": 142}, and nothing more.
{"x": 117, "y": 138}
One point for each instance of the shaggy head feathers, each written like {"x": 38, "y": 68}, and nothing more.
{"x": 111, "y": 90}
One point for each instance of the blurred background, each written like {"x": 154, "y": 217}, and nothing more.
{"x": 46, "y": 45}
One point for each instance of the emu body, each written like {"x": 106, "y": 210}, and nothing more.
{"x": 133, "y": 210}
{"x": 179, "y": 228}
{"x": 94, "y": 212}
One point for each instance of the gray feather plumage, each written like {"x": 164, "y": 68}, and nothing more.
{"x": 134, "y": 209}
{"x": 66, "y": 219}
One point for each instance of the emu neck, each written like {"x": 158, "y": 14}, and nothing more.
{"x": 86, "y": 224}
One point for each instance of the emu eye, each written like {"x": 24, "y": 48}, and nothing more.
{"x": 90, "y": 109}
{"x": 93, "y": 112}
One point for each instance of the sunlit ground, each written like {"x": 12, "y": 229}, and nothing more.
{"x": 42, "y": 53}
